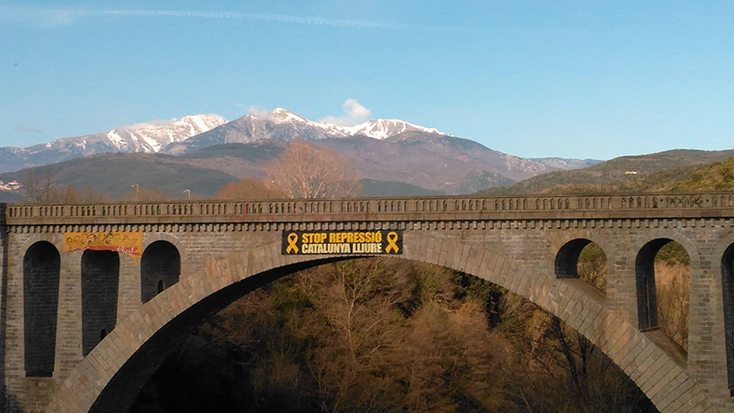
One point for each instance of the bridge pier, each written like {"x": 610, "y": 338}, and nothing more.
{"x": 128, "y": 299}
{"x": 707, "y": 354}
{"x": 621, "y": 294}
{"x": 69, "y": 333}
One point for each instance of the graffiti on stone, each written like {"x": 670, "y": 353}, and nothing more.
{"x": 130, "y": 243}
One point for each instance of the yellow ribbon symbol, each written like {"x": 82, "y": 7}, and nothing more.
{"x": 392, "y": 239}
{"x": 292, "y": 248}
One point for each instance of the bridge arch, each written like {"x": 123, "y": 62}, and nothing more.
{"x": 726, "y": 265}
{"x": 91, "y": 385}
{"x": 160, "y": 268}
{"x": 100, "y": 278}
{"x": 567, "y": 259}
{"x": 569, "y": 247}
{"x": 164, "y": 236}
{"x": 676, "y": 236}
{"x": 644, "y": 251}
{"x": 646, "y": 279}
{"x": 38, "y": 238}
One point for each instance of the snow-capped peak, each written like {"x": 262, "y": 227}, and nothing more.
{"x": 202, "y": 123}
{"x": 152, "y": 136}
{"x": 174, "y": 136}
{"x": 281, "y": 115}
{"x": 386, "y": 128}
{"x": 377, "y": 129}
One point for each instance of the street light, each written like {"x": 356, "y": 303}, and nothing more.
{"x": 188, "y": 193}
{"x": 137, "y": 191}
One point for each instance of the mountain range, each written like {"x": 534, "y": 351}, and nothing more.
{"x": 145, "y": 137}
{"x": 381, "y": 150}
{"x": 651, "y": 172}
{"x": 202, "y": 153}
{"x": 283, "y": 125}
{"x": 190, "y": 133}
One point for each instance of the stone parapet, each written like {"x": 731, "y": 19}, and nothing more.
{"x": 672, "y": 205}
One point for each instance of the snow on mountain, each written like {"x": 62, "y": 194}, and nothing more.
{"x": 282, "y": 116}
{"x": 151, "y": 137}
{"x": 381, "y": 149}
{"x": 283, "y": 125}
{"x": 191, "y": 133}
{"x": 377, "y": 128}
{"x": 279, "y": 124}
{"x": 387, "y": 128}
{"x": 144, "y": 137}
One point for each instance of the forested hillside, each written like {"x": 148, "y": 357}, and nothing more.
{"x": 716, "y": 176}
{"x": 653, "y": 172}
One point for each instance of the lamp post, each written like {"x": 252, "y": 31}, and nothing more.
{"x": 137, "y": 192}
{"x": 188, "y": 193}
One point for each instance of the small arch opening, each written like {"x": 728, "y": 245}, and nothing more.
{"x": 100, "y": 283}
{"x": 41, "y": 270}
{"x": 663, "y": 286}
{"x": 160, "y": 268}
{"x": 583, "y": 259}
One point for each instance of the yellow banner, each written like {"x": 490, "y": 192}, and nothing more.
{"x": 342, "y": 242}
{"x": 130, "y": 243}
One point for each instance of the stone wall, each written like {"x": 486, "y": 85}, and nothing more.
{"x": 3, "y": 301}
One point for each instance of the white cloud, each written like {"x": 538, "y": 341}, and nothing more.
{"x": 51, "y": 18}
{"x": 259, "y": 112}
{"x": 354, "y": 113}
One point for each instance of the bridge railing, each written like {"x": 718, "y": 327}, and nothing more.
{"x": 380, "y": 205}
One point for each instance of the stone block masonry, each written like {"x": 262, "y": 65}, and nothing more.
{"x": 215, "y": 252}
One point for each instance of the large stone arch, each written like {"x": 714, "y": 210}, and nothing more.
{"x": 661, "y": 376}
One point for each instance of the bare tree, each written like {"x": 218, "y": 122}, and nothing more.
{"x": 249, "y": 189}
{"x": 592, "y": 266}
{"x": 41, "y": 188}
{"x": 305, "y": 170}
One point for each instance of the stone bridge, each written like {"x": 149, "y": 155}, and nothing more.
{"x": 95, "y": 296}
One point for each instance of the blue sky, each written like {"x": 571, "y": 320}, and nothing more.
{"x": 530, "y": 78}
